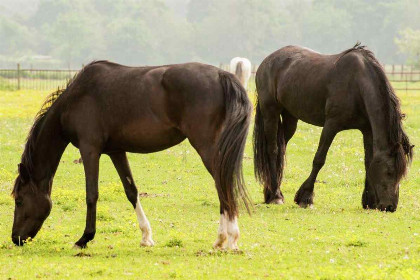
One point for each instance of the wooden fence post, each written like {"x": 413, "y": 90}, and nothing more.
{"x": 18, "y": 76}
{"x": 393, "y": 68}
{"x": 402, "y": 71}
{"x": 411, "y": 73}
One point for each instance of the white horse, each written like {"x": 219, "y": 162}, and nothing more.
{"x": 241, "y": 67}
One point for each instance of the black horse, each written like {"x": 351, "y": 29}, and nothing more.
{"x": 337, "y": 92}
{"x": 113, "y": 109}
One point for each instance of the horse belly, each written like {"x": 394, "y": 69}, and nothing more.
{"x": 144, "y": 137}
{"x": 309, "y": 109}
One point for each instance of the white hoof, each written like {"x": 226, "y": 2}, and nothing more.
{"x": 233, "y": 246}
{"x": 147, "y": 243}
{"x": 220, "y": 243}
{"x": 233, "y": 234}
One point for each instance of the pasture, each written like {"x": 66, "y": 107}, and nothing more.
{"x": 336, "y": 239}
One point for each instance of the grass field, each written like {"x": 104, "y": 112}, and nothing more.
{"x": 336, "y": 239}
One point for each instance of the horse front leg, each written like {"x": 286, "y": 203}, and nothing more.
{"x": 304, "y": 196}
{"x": 120, "y": 162}
{"x": 369, "y": 196}
{"x": 90, "y": 156}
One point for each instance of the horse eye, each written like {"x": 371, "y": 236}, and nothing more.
{"x": 19, "y": 202}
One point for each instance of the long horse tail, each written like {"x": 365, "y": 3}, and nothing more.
{"x": 230, "y": 147}
{"x": 239, "y": 70}
{"x": 261, "y": 156}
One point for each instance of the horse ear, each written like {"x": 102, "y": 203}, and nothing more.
{"x": 23, "y": 173}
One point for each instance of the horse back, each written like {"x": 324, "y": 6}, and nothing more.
{"x": 138, "y": 109}
{"x": 309, "y": 85}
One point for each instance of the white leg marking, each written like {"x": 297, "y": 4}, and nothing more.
{"x": 221, "y": 234}
{"x": 144, "y": 226}
{"x": 233, "y": 233}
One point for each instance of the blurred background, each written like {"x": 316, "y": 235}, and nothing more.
{"x": 64, "y": 34}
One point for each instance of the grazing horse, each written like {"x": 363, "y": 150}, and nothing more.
{"x": 241, "y": 67}
{"x": 348, "y": 90}
{"x": 113, "y": 109}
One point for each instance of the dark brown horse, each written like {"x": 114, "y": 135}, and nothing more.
{"x": 113, "y": 109}
{"x": 337, "y": 92}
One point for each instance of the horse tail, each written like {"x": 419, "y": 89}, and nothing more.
{"x": 261, "y": 156}
{"x": 239, "y": 70}
{"x": 230, "y": 146}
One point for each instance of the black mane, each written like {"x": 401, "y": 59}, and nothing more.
{"x": 27, "y": 156}
{"x": 403, "y": 152}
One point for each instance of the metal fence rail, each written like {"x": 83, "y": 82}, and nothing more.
{"x": 403, "y": 77}
{"x": 36, "y": 79}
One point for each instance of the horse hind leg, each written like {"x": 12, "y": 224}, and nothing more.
{"x": 120, "y": 162}
{"x": 289, "y": 126}
{"x": 228, "y": 231}
{"x": 270, "y": 146}
{"x": 222, "y": 234}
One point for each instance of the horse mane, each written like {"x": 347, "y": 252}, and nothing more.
{"x": 403, "y": 150}
{"x": 27, "y": 156}
{"x": 358, "y": 46}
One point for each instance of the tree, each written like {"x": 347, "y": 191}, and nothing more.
{"x": 16, "y": 38}
{"x": 409, "y": 44}
{"x": 252, "y": 30}
{"x": 326, "y": 28}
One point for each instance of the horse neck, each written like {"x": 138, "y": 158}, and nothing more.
{"x": 376, "y": 109}
{"x": 48, "y": 149}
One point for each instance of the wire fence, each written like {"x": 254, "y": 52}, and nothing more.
{"x": 403, "y": 77}
{"x": 35, "y": 79}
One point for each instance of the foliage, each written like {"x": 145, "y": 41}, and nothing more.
{"x": 336, "y": 239}
{"x": 15, "y": 38}
{"x": 409, "y": 43}
{"x": 5, "y": 85}
{"x": 147, "y": 32}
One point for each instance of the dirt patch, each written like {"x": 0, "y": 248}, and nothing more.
{"x": 145, "y": 194}
{"x": 83, "y": 255}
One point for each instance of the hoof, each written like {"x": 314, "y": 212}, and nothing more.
{"x": 78, "y": 247}
{"x": 278, "y": 201}
{"x": 306, "y": 205}
{"x": 147, "y": 243}
{"x": 219, "y": 247}
{"x": 304, "y": 199}
{"x": 221, "y": 241}
{"x": 369, "y": 206}
{"x": 233, "y": 247}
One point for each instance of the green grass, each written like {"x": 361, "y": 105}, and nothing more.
{"x": 336, "y": 239}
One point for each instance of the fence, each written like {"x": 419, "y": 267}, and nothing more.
{"x": 15, "y": 79}
{"x": 403, "y": 77}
